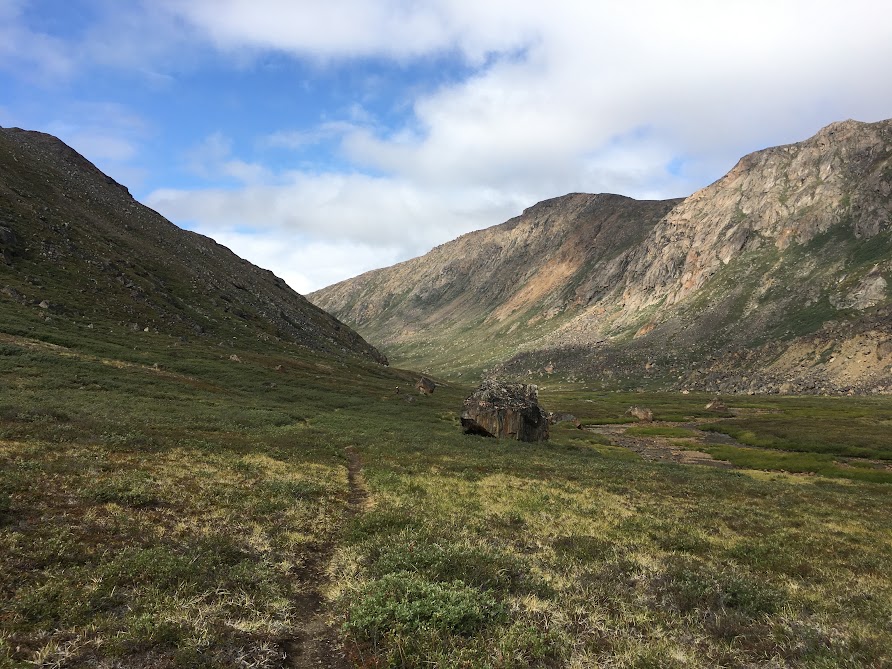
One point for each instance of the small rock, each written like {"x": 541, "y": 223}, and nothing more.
{"x": 716, "y": 404}
{"x": 555, "y": 418}
{"x": 235, "y": 358}
{"x": 8, "y": 242}
{"x": 8, "y": 238}
{"x": 44, "y": 304}
{"x": 643, "y": 414}
{"x": 13, "y": 294}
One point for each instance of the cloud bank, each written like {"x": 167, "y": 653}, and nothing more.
{"x": 645, "y": 98}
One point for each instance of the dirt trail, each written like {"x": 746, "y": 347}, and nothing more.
{"x": 662, "y": 449}
{"x": 359, "y": 494}
{"x": 317, "y": 643}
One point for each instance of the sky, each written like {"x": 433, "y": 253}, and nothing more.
{"x": 324, "y": 138}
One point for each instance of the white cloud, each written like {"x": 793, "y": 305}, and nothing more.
{"x": 357, "y": 28}
{"x": 41, "y": 56}
{"x": 212, "y": 159}
{"x": 305, "y": 265}
{"x": 358, "y": 208}
{"x": 299, "y": 139}
{"x": 708, "y": 80}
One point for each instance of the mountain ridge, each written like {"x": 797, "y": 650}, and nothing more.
{"x": 794, "y": 242}
{"x": 74, "y": 238}
{"x": 495, "y": 279}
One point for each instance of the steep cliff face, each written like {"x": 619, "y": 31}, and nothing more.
{"x": 778, "y": 197}
{"x": 775, "y": 278}
{"x": 74, "y": 239}
{"x": 764, "y": 281}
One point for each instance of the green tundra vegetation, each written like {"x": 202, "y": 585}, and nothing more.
{"x": 163, "y": 505}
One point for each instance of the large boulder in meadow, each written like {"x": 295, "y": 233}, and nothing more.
{"x": 505, "y": 410}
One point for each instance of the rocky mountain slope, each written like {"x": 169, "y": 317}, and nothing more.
{"x": 772, "y": 279}
{"x": 76, "y": 247}
{"x": 504, "y": 286}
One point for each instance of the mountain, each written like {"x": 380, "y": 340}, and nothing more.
{"x": 501, "y": 287}
{"x": 76, "y": 249}
{"x": 772, "y": 279}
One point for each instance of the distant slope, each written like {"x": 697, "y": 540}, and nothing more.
{"x": 475, "y": 300}
{"x": 75, "y": 240}
{"x": 773, "y": 279}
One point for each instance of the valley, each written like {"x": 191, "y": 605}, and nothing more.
{"x": 198, "y": 468}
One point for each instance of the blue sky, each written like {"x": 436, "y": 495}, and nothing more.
{"x": 321, "y": 139}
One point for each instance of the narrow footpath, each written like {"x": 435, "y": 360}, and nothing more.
{"x": 317, "y": 643}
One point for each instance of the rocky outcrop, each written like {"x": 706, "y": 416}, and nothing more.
{"x": 777, "y": 197}
{"x": 505, "y": 410}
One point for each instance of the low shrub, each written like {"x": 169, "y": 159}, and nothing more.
{"x": 406, "y": 604}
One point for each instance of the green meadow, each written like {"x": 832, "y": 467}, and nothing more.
{"x": 162, "y": 505}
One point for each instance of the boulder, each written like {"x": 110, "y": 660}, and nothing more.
{"x": 716, "y": 404}
{"x": 8, "y": 239}
{"x": 643, "y": 414}
{"x": 425, "y": 386}
{"x": 8, "y": 244}
{"x": 555, "y": 418}
{"x": 505, "y": 410}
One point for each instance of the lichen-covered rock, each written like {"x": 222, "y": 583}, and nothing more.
{"x": 505, "y": 410}
{"x": 643, "y": 414}
{"x": 716, "y": 404}
{"x": 560, "y": 417}
{"x": 425, "y": 386}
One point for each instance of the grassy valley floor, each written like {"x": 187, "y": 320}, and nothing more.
{"x": 163, "y": 505}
